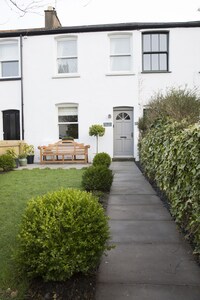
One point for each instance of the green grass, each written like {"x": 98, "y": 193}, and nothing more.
{"x": 16, "y": 189}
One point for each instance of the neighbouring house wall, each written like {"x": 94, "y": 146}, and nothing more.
{"x": 10, "y": 98}
{"x": 94, "y": 89}
{"x": 184, "y": 65}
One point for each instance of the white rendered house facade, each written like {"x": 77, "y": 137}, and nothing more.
{"x": 58, "y": 82}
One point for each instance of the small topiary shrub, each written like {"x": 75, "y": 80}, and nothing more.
{"x": 97, "y": 130}
{"x": 7, "y": 162}
{"x": 97, "y": 178}
{"x": 62, "y": 233}
{"x": 102, "y": 159}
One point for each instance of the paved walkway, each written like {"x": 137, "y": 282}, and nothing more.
{"x": 151, "y": 260}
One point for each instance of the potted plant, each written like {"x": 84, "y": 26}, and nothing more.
{"x": 22, "y": 159}
{"x": 29, "y": 151}
{"x": 67, "y": 138}
{"x": 12, "y": 153}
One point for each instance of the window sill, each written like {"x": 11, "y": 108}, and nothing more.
{"x": 155, "y": 72}
{"x": 71, "y": 75}
{"x": 120, "y": 74}
{"x": 10, "y": 78}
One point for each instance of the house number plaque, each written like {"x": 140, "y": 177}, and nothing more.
{"x": 107, "y": 124}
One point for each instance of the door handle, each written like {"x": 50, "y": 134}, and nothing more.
{"x": 123, "y": 137}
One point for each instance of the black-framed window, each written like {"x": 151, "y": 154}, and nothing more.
{"x": 155, "y": 52}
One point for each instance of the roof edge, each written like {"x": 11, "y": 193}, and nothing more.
{"x": 98, "y": 28}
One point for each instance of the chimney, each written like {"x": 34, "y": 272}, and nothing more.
{"x": 51, "y": 19}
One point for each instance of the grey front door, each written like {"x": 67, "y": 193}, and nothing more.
{"x": 123, "y": 131}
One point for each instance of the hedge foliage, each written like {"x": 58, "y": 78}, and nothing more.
{"x": 170, "y": 155}
{"x": 176, "y": 103}
{"x": 7, "y": 162}
{"x": 62, "y": 233}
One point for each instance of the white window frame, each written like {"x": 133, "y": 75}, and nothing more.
{"x": 16, "y": 59}
{"x": 75, "y": 56}
{"x": 69, "y": 106}
{"x": 121, "y": 55}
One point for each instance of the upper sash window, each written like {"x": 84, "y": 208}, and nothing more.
{"x": 67, "y": 57}
{"x": 155, "y": 51}
{"x": 120, "y": 53}
{"x": 9, "y": 59}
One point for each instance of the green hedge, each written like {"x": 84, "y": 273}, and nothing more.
{"x": 152, "y": 148}
{"x": 170, "y": 155}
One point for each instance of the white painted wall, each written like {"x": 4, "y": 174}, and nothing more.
{"x": 95, "y": 90}
{"x": 10, "y": 98}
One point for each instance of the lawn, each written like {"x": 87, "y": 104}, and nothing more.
{"x": 16, "y": 189}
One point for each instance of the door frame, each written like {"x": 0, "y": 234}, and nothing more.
{"x": 121, "y": 109}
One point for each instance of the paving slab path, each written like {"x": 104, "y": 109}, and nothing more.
{"x": 151, "y": 260}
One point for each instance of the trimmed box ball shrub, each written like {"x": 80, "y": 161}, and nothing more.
{"x": 62, "y": 233}
{"x": 6, "y": 162}
{"x": 102, "y": 159}
{"x": 97, "y": 178}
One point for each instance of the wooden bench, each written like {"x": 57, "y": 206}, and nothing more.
{"x": 66, "y": 151}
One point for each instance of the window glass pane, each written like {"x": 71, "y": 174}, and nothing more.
{"x": 120, "y": 63}
{"x": 70, "y": 130}
{"x": 9, "y": 51}
{"x": 146, "y": 43}
{"x": 67, "y": 48}
{"x": 163, "y": 42}
{"x": 68, "y": 118}
{"x": 120, "y": 45}
{"x": 147, "y": 62}
{"x": 119, "y": 116}
{"x": 67, "y": 111}
{"x": 126, "y": 116}
{"x": 163, "y": 62}
{"x": 154, "y": 60}
{"x": 123, "y": 116}
{"x": 67, "y": 65}
{"x": 154, "y": 40}
{"x": 10, "y": 68}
